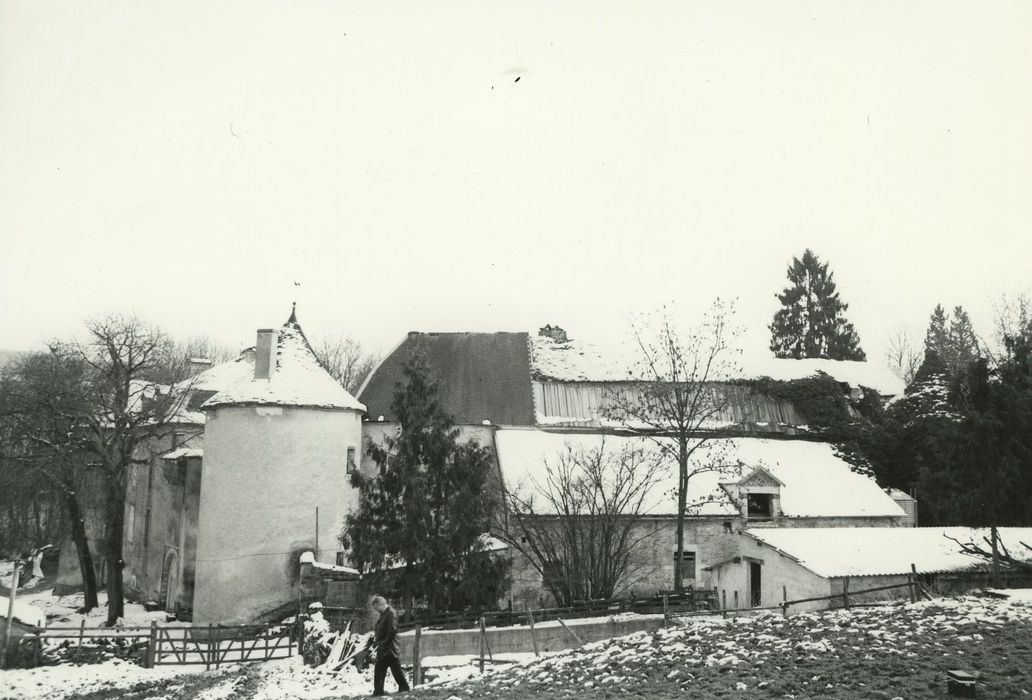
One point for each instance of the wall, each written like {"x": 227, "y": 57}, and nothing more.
{"x": 586, "y": 401}
{"x": 779, "y": 575}
{"x": 550, "y": 637}
{"x": 652, "y": 559}
{"x": 266, "y": 471}
{"x": 162, "y": 498}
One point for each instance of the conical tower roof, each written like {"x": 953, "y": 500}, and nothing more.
{"x": 298, "y": 379}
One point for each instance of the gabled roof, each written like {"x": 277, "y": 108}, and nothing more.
{"x": 816, "y": 483}
{"x": 481, "y": 376}
{"x": 882, "y": 551}
{"x": 759, "y": 475}
{"x": 298, "y": 378}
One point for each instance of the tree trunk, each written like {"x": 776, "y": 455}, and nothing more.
{"x": 682, "y": 502}
{"x": 115, "y": 517}
{"x": 82, "y": 551}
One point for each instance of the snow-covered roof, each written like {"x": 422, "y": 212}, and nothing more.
{"x": 183, "y": 452}
{"x": 309, "y": 558}
{"x": 298, "y": 379}
{"x": 875, "y": 551}
{"x": 578, "y": 360}
{"x": 817, "y": 483}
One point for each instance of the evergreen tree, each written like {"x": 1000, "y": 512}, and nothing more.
{"x": 811, "y": 322}
{"x": 428, "y": 506}
{"x": 953, "y": 339}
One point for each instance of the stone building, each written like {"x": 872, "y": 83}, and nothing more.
{"x": 255, "y": 469}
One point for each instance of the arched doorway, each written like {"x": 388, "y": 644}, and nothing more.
{"x": 170, "y": 581}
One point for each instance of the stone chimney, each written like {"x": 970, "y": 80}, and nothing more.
{"x": 554, "y": 332}
{"x": 265, "y": 354}
{"x": 196, "y": 365}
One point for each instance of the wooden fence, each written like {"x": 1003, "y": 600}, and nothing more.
{"x": 690, "y": 600}
{"x": 209, "y": 646}
{"x": 915, "y": 591}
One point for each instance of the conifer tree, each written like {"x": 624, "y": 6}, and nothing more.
{"x": 952, "y": 338}
{"x": 811, "y": 322}
{"x": 427, "y": 506}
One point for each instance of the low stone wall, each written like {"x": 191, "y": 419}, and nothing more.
{"x": 503, "y": 640}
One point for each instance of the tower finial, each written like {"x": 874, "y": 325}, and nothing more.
{"x": 293, "y": 313}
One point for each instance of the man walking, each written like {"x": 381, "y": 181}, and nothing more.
{"x": 387, "y": 648}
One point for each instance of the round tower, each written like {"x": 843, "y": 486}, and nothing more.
{"x": 279, "y": 447}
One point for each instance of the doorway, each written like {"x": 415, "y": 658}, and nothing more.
{"x": 755, "y": 584}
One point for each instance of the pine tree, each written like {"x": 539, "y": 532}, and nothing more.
{"x": 428, "y": 506}
{"x": 811, "y": 322}
{"x": 952, "y": 338}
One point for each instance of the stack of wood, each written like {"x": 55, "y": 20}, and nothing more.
{"x": 348, "y": 648}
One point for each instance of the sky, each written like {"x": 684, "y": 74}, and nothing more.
{"x": 478, "y": 165}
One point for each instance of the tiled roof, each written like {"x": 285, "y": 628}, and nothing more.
{"x": 481, "y": 376}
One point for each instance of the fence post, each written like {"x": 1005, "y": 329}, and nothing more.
{"x": 207, "y": 657}
{"x": 580, "y": 642}
{"x": 723, "y": 607}
{"x": 82, "y": 632}
{"x": 266, "y": 641}
{"x": 784, "y": 601}
{"x": 845, "y": 592}
{"x": 716, "y": 598}
{"x": 483, "y": 644}
{"x": 151, "y": 644}
{"x": 10, "y": 616}
{"x": 912, "y": 576}
{"x": 417, "y": 656}
{"x": 533, "y": 634}
{"x": 996, "y": 557}
{"x": 736, "y": 600}
{"x": 666, "y": 610}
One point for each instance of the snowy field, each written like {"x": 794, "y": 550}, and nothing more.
{"x": 880, "y": 652}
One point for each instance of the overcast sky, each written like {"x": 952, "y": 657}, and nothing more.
{"x": 477, "y": 165}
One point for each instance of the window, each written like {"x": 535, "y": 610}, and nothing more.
{"x": 130, "y": 524}
{"x": 351, "y": 461}
{"x": 687, "y": 564}
{"x": 760, "y": 505}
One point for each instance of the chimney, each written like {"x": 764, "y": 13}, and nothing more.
{"x": 554, "y": 332}
{"x": 196, "y": 365}
{"x": 265, "y": 353}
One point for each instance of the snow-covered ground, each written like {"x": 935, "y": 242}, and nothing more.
{"x": 700, "y": 650}
{"x": 61, "y": 610}
{"x": 1022, "y": 594}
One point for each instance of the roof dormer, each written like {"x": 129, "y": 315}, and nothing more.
{"x": 757, "y": 494}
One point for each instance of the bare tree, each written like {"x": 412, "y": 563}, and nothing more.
{"x": 202, "y": 346}
{"x": 680, "y": 393}
{"x": 1013, "y": 320}
{"x": 127, "y": 415}
{"x": 40, "y": 413}
{"x": 903, "y": 355}
{"x": 346, "y": 361}
{"x": 1021, "y": 560}
{"x": 578, "y": 527}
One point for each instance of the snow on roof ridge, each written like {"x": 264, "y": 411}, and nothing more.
{"x": 579, "y": 360}
{"x": 299, "y": 379}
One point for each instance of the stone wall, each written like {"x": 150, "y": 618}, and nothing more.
{"x": 267, "y": 469}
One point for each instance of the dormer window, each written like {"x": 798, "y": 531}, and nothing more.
{"x": 760, "y": 506}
